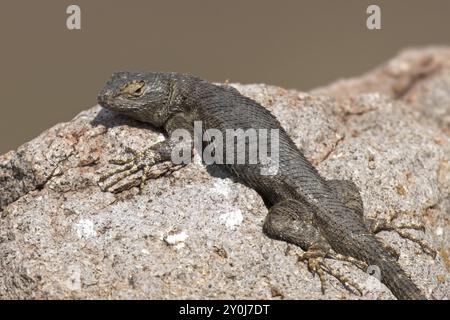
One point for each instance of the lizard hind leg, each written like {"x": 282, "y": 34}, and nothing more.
{"x": 292, "y": 221}
{"x": 315, "y": 260}
{"x": 349, "y": 193}
{"x": 388, "y": 224}
{"x": 351, "y": 197}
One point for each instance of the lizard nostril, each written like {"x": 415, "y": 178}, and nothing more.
{"x": 101, "y": 99}
{"x": 104, "y": 96}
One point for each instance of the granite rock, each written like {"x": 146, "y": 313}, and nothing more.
{"x": 197, "y": 233}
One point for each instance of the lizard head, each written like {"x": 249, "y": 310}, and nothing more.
{"x": 142, "y": 96}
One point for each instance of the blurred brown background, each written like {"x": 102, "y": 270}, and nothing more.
{"x": 49, "y": 73}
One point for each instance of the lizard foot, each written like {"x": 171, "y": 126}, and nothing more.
{"x": 315, "y": 260}
{"x": 388, "y": 224}
{"x": 140, "y": 161}
{"x": 358, "y": 263}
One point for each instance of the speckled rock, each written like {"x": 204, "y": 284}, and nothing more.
{"x": 419, "y": 78}
{"x": 197, "y": 232}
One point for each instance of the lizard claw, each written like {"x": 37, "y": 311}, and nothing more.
{"x": 388, "y": 224}
{"x": 315, "y": 260}
{"x": 139, "y": 161}
{"x": 150, "y": 162}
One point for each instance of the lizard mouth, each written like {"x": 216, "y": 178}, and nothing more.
{"x": 107, "y": 101}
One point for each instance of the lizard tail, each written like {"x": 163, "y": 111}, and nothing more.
{"x": 400, "y": 284}
{"x": 370, "y": 250}
{"x": 391, "y": 274}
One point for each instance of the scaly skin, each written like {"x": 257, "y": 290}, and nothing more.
{"x": 306, "y": 210}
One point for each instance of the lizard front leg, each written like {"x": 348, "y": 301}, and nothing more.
{"x": 151, "y": 163}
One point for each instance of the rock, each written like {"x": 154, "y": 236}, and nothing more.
{"x": 198, "y": 234}
{"x": 419, "y": 78}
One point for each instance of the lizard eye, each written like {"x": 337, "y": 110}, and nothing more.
{"x": 134, "y": 89}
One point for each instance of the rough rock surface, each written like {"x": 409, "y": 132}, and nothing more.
{"x": 194, "y": 234}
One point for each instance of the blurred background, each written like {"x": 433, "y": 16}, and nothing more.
{"x": 49, "y": 73}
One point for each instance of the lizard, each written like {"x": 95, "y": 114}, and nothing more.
{"x": 323, "y": 217}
